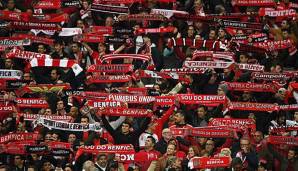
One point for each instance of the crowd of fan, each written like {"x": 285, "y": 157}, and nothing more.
{"x": 152, "y": 135}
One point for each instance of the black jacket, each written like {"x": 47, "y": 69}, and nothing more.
{"x": 130, "y": 138}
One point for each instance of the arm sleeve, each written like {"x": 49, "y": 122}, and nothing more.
{"x": 176, "y": 89}
{"x": 142, "y": 129}
{"x": 115, "y": 124}
{"x": 162, "y": 120}
{"x": 108, "y": 126}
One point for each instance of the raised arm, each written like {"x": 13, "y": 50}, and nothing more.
{"x": 107, "y": 125}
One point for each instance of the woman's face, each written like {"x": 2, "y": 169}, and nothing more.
{"x": 101, "y": 48}
{"x": 191, "y": 152}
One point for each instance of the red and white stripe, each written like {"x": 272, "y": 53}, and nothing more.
{"x": 64, "y": 63}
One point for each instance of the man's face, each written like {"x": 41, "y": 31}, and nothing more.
{"x": 209, "y": 145}
{"x": 48, "y": 112}
{"x": 221, "y": 33}
{"x": 54, "y": 75}
{"x": 240, "y": 33}
{"x": 190, "y": 31}
{"x": 244, "y": 145}
{"x": 171, "y": 149}
{"x": 60, "y": 105}
{"x": 8, "y": 63}
{"x": 238, "y": 167}
{"x": 178, "y": 118}
{"x": 18, "y": 160}
{"x": 10, "y": 4}
{"x": 58, "y": 47}
{"x": 149, "y": 143}
{"x": 75, "y": 48}
{"x": 27, "y": 76}
{"x": 84, "y": 121}
{"x": 73, "y": 111}
{"x": 109, "y": 21}
{"x": 125, "y": 128}
{"x": 101, "y": 47}
{"x": 291, "y": 154}
{"x": 48, "y": 138}
{"x": 47, "y": 166}
{"x": 102, "y": 161}
{"x": 167, "y": 135}
{"x": 55, "y": 137}
{"x": 202, "y": 140}
{"x": 41, "y": 49}
{"x": 80, "y": 24}
{"x": 212, "y": 34}
{"x": 258, "y": 137}
{"x": 201, "y": 112}
{"x": 243, "y": 59}
{"x": 71, "y": 138}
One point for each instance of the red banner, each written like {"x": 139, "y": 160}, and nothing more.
{"x": 14, "y": 149}
{"x": 142, "y": 17}
{"x": 123, "y": 149}
{"x": 17, "y": 53}
{"x": 289, "y": 107}
{"x": 154, "y": 30}
{"x": 129, "y": 98}
{"x": 14, "y": 16}
{"x": 185, "y": 70}
{"x": 210, "y": 132}
{"x": 284, "y": 140}
{"x": 17, "y": 137}
{"x": 213, "y": 133}
{"x": 14, "y": 41}
{"x": 268, "y": 76}
{"x": 207, "y": 64}
{"x": 233, "y": 123}
{"x": 274, "y": 45}
{"x": 251, "y": 67}
{"x": 201, "y": 99}
{"x": 32, "y": 117}
{"x": 209, "y": 162}
{"x": 130, "y": 112}
{"x": 116, "y": 1}
{"x": 164, "y": 100}
{"x": 36, "y": 39}
{"x": 254, "y": 2}
{"x": 90, "y": 38}
{"x": 31, "y": 103}
{"x": 271, "y": 12}
{"x": 253, "y": 106}
{"x": 252, "y": 87}
{"x": 45, "y": 88}
{"x": 99, "y": 30}
{"x": 109, "y": 79}
{"x": 111, "y": 68}
{"x": 105, "y": 103}
{"x": 34, "y": 25}
{"x": 45, "y": 4}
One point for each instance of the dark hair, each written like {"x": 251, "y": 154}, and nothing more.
{"x": 127, "y": 123}
{"x": 202, "y": 106}
{"x": 100, "y": 155}
{"x": 85, "y": 117}
{"x": 152, "y": 139}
